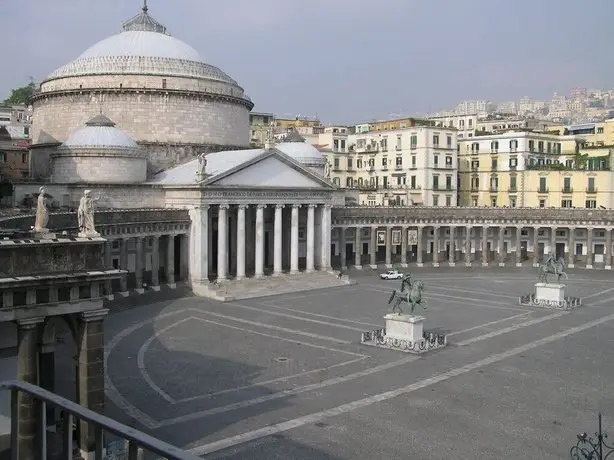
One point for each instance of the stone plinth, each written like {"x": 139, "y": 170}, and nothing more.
{"x": 550, "y": 292}
{"x": 550, "y": 295}
{"x": 404, "y": 327}
{"x": 404, "y": 333}
{"x": 43, "y": 234}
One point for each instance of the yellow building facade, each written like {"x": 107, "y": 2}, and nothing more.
{"x": 533, "y": 169}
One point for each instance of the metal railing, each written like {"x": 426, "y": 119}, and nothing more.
{"x": 71, "y": 411}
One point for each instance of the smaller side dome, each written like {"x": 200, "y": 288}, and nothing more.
{"x": 99, "y": 153}
{"x": 295, "y": 146}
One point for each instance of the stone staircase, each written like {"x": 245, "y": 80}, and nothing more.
{"x": 274, "y": 285}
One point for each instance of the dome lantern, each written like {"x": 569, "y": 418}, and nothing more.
{"x": 143, "y": 22}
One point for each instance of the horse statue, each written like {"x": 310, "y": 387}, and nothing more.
{"x": 412, "y": 296}
{"x": 553, "y": 266}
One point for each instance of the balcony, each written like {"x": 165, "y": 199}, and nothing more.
{"x": 512, "y": 190}
{"x": 591, "y": 190}
{"x": 567, "y": 190}
{"x": 25, "y": 395}
{"x": 398, "y": 167}
{"x": 398, "y": 148}
{"x": 493, "y": 189}
{"x": 542, "y": 190}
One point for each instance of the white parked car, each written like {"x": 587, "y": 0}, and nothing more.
{"x": 391, "y": 275}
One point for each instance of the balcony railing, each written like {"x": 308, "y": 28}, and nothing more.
{"x": 591, "y": 190}
{"x": 567, "y": 190}
{"x": 542, "y": 190}
{"x": 71, "y": 411}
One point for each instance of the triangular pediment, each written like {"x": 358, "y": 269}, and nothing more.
{"x": 271, "y": 169}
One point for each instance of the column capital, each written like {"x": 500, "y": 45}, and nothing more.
{"x": 224, "y": 206}
{"x": 279, "y": 206}
{"x": 296, "y": 206}
{"x": 242, "y": 206}
{"x": 311, "y": 206}
{"x": 260, "y": 206}
{"x": 30, "y": 323}
{"x": 94, "y": 315}
{"x": 327, "y": 206}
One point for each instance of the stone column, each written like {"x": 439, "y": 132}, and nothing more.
{"x": 277, "y": 236}
{"x": 170, "y": 261}
{"x": 501, "y": 244}
{"x": 468, "y": 246}
{"x": 373, "y": 248}
{"x": 553, "y": 240}
{"x": 358, "y": 248}
{"x": 311, "y": 234}
{"x": 139, "y": 264}
{"x": 572, "y": 248}
{"x": 608, "y": 249}
{"x": 155, "y": 263}
{"x": 419, "y": 248}
{"x": 536, "y": 254}
{"x": 518, "y": 247}
{"x": 28, "y": 332}
{"x": 90, "y": 391}
{"x": 108, "y": 265}
{"x": 259, "y": 270}
{"x": 198, "y": 255}
{"x": 484, "y": 246}
{"x": 452, "y": 255}
{"x": 436, "y": 232}
{"x": 222, "y": 238}
{"x": 342, "y": 249}
{"x": 294, "y": 240}
{"x": 241, "y": 241}
{"x": 589, "y": 248}
{"x": 123, "y": 264}
{"x": 326, "y": 230}
{"x": 404, "y": 247}
{"x": 388, "y": 247}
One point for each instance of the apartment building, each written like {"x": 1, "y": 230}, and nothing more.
{"x": 259, "y": 125}
{"x": 465, "y": 124}
{"x": 17, "y": 120}
{"x": 14, "y": 159}
{"x": 410, "y": 166}
{"x": 532, "y": 169}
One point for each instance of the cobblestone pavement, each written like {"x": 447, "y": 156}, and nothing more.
{"x": 286, "y": 377}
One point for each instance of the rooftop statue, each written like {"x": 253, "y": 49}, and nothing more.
{"x": 553, "y": 266}
{"x": 202, "y": 166}
{"x": 42, "y": 213}
{"x": 85, "y": 215}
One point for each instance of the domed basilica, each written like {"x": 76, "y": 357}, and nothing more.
{"x": 141, "y": 121}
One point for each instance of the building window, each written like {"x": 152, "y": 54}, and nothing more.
{"x": 475, "y": 147}
{"x": 531, "y": 146}
{"x": 413, "y": 161}
{"x": 336, "y": 163}
{"x": 435, "y": 200}
{"x": 384, "y": 162}
{"x": 24, "y": 157}
{"x": 474, "y": 201}
{"x": 513, "y": 163}
{"x": 494, "y": 184}
{"x": 591, "y": 186}
{"x": 494, "y": 147}
{"x": 435, "y": 140}
{"x": 399, "y": 143}
{"x": 26, "y": 131}
{"x": 449, "y": 141}
{"x": 448, "y": 182}
{"x": 543, "y": 185}
{"x": 475, "y": 164}
{"x": 579, "y": 249}
{"x": 513, "y": 183}
{"x": 591, "y": 204}
{"x": 540, "y": 146}
{"x": 2, "y": 157}
{"x": 436, "y": 160}
{"x": 542, "y": 203}
{"x": 412, "y": 181}
{"x": 359, "y": 163}
{"x": 349, "y": 163}
{"x": 164, "y": 83}
{"x": 567, "y": 185}
{"x": 413, "y": 141}
{"x": 449, "y": 162}
{"x": 493, "y": 164}
{"x": 566, "y": 204}
{"x": 475, "y": 183}
{"x": 512, "y": 201}
{"x": 448, "y": 201}
{"x": 513, "y": 145}
{"x": 493, "y": 202}
{"x": 600, "y": 130}
{"x": 435, "y": 182}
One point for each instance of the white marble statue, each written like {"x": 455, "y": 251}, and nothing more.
{"x": 327, "y": 169}
{"x": 42, "y": 213}
{"x": 85, "y": 215}
{"x": 202, "y": 166}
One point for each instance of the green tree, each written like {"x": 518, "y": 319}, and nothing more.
{"x": 21, "y": 95}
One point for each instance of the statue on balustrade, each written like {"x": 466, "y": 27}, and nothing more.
{"x": 42, "y": 213}
{"x": 85, "y": 215}
{"x": 553, "y": 266}
{"x": 202, "y": 166}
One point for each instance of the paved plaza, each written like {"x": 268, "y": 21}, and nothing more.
{"x": 285, "y": 377}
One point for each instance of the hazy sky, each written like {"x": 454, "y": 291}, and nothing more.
{"x": 348, "y": 61}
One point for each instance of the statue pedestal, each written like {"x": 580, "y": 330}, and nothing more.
{"x": 550, "y": 292}
{"x": 88, "y": 235}
{"x": 404, "y": 327}
{"x": 550, "y": 295}
{"x": 404, "y": 333}
{"x": 43, "y": 234}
